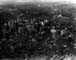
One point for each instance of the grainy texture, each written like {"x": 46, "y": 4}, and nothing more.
{"x": 31, "y": 30}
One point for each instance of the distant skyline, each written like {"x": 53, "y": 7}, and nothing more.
{"x": 16, "y": 1}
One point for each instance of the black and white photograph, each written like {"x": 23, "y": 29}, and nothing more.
{"x": 37, "y": 29}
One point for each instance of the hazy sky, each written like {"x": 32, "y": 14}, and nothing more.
{"x": 8, "y": 1}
